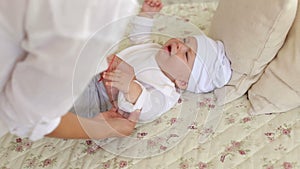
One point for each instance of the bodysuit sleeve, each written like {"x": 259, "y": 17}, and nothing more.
{"x": 155, "y": 99}
{"x": 141, "y": 28}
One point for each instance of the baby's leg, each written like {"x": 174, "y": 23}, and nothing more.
{"x": 93, "y": 100}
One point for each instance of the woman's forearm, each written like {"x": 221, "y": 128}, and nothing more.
{"x": 74, "y": 127}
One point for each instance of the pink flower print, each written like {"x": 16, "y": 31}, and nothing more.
{"x": 179, "y": 100}
{"x": 28, "y": 144}
{"x": 163, "y": 147}
{"x": 222, "y": 159}
{"x": 122, "y": 164}
{"x": 18, "y": 140}
{"x": 286, "y": 131}
{"x": 47, "y": 162}
{"x": 184, "y": 165}
{"x": 246, "y": 119}
{"x": 242, "y": 152}
{"x": 207, "y": 100}
{"x": 230, "y": 120}
{"x": 88, "y": 142}
{"x": 151, "y": 143}
{"x": 270, "y": 167}
{"x": 287, "y": 165}
{"x": 208, "y": 130}
{"x": 269, "y": 134}
{"x": 202, "y": 165}
{"x": 193, "y": 126}
{"x": 106, "y": 165}
{"x": 141, "y": 135}
{"x": 235, "y": 144}
{"x": 90, "y": 150}
{"x": 173, "y": 120}
{"x": 201, "y": 104}
{"x": 211, "y": 106}
{"x": 19, "y": 148}
{"x": 159, "y": 139}
{"x": 32, "y": 163}
{"x": 230, "y": 148}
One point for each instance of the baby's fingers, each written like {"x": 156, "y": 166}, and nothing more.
{"x": 112, "y": 84}
{"x": 115, "y": 84}
{"x": 112, "y": 76}
{"x": 153, "y": 3}
{"x": 159, "y": 6}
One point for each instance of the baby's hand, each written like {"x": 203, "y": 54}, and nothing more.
{"x": 152, "y": 6}
{"x": 119, "y": 80}
{"x": 120, "y": 77}
{"x": 113, "y": 62}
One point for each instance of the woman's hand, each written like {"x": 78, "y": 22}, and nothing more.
{"x": 120, "y": 126}
{"x": 105, "y": 125}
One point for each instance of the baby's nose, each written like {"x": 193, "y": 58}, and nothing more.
{"x": 174, "y": 48}
{"x": 182, "y": 48}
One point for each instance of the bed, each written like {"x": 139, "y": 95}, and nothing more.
{"x": 196, "y": 133}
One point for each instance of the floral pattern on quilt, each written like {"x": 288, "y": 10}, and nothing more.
{"x": 237, "y": 141}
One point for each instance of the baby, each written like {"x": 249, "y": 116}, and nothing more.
{"x": 146, "y": 75}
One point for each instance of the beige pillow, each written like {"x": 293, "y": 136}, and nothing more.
{"x": 278, "y": 89}
{"x": 252, "y": 31}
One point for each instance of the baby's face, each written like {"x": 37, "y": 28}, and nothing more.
{"x": 177, "y": 57}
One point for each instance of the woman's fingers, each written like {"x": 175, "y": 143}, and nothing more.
{"x": 134, "y": 116}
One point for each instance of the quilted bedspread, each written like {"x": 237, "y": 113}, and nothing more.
{"x": 196, "y": 133}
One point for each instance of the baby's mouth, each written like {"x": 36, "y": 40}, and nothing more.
{"x": 168, "y": 49}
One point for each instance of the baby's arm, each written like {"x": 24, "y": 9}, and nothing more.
{"x": 150, "y": 7}
{"x": 143, "y": 23}
{"x": 152, "y": 102}
{"x": 122, "y": 78}
{"x": 157, "y": 96}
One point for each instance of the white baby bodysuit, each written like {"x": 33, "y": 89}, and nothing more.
{"x": 158, "y": 92}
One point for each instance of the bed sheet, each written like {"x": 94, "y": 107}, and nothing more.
{"x": 229, "y": 136}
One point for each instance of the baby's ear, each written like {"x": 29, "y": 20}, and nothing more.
{"x": 181, "y": 84}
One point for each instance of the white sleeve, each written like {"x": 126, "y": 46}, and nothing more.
{"x": 41, "y": 42}
{"x": 151, "y": 101}
{"x": 129, "y": 107}
{"x": 141, "y": 30}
